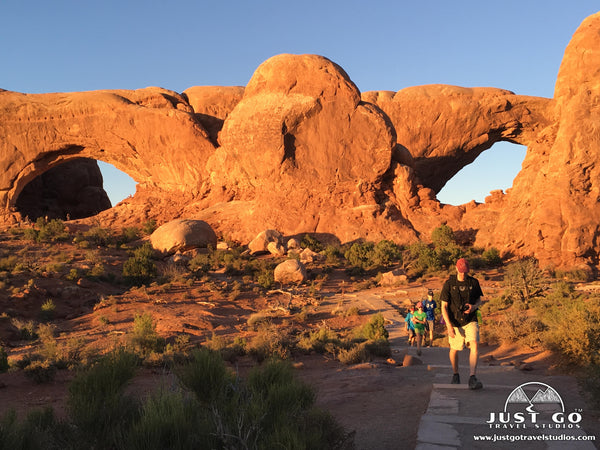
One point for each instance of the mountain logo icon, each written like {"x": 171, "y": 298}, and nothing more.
{"x": 538, "y": 396}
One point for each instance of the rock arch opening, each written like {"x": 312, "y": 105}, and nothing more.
{"x": 75, "y": 189}
{"x": 117, "y": 184}
{"x": 494, "y": 169}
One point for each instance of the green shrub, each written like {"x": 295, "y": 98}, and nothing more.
{"x": 374, "y": 329}
{"x": 48, "y": 310}
{"x": 41, "y": 371}
{"x": 49, "y": 231}
{"x": 312, "y": 243}
{"x": 4, "y": 366}
{"x": 354, "y": 355}
{"x": 170, "y": 420}
{"x": 206, "y": 375}
{"x": 270, "y": 342}
{"x": 421, "y": 258}
{"x": 319, "y": 341}
{"x": 385, "y": 253}
{"x": 443, "y": 236}
{"x": 360, "y": 255}
{"x": 491, "y": 257}
{"x": 96, "y": 402}
{"x": 144, "y": 336}
{"x": 140, "y": 268}
{"x": 8, "y": 263}
{"x": 149, "y": 227}
{"x": 573, "y": 326}
{"x": 200, "y": 264}
{"x": 27, "y": 330}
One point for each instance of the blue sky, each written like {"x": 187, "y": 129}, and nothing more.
{"x": 64, "y": 46}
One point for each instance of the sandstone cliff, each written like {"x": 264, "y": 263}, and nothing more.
{"x": 301, "y": 149}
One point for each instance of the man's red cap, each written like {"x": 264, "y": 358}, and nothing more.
{"x": 462, "y": 265}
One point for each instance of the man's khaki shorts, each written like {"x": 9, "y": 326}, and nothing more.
{"x": 467, "y": 333}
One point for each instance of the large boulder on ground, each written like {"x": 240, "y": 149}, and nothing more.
{"x": 182, "y": 235}
{"x": 290, "y": 272}
{"x": 261, "y": 242}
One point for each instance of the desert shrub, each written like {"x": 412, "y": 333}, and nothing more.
{"x": 97, "y": 271}
{"x": 4, "y": 366}
{"x": 39, "y": 429}
{"x": 200, "y": 264}
{"x": 333, "y": 255}
{"x": 49, "y": 345}
{"x": 354, "y": 355}
{"x": 49, "y": 231}
{"x": 170, "y": 419}
{"x": 128, "y": 234}
{"x": 420, "y": 257}
{"x": 524, "y": 280}
{"x": 97, "y": 236}
{"x": 8, "y": 263}
{"x": 321, "y": 341}
{"x": 206, "y": 375}
{"x": 590, "y": 382}
{"x": 144, "y": 336}
{"x": 269, "y": 409}
{"x": 269, "y": 342}
{"x": 48, "y": 310}
{"x": 27, "y": 330}
{"x": 359, "y": 255}
{"x": 491, "y": 257}
{"x": 443, "y": 236}
{"x": 149, "y": 227}
{"x": 229, "y": 351}
{"x": 374, "y": 329}
{"x": 257, "y": 319}
{"x": 385, "y": 253}
{"x": 378, "y": 347}
{"x": 140, "y": 268}
{"x": 312, "y": 243}
{"x": 447, "y": 256}
{"x": 96, "y": 402}
{"x": 40, "y": 371}
{"x": 573, "y": 326}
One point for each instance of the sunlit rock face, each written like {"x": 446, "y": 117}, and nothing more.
{"x": 300, "y": 149}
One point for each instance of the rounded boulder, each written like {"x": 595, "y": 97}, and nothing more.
{"x": 290, "y": 272}
{"x": 182, "y": 235}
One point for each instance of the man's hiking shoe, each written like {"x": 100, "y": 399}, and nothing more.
{"x": 455, "y": 379}
{"x": 474, "y": 383}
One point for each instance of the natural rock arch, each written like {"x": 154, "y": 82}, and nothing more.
{"x": 299, "y": 149}
{"x": 150, "y": 134}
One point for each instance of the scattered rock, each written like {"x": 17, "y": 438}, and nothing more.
{"x": 410, "y": 360}
{"x": 393, "y": 278}
{"x": 291, "y": 271}
{"x": 276, "y": 249}
{"x": 309, "y": 256}
{"x": 261, "y": 242}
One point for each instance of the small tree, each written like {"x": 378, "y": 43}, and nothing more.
{"x": 443, "y": 236}
{"x": 524, "y": 280}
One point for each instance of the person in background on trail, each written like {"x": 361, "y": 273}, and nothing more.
{"x": 461, "y": 298}
{"x": 420, "y": 321}
{"x": 410, "y": 327}
{"x": 429, "y": 306}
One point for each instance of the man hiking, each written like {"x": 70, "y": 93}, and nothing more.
{"x": 461, "y": 297}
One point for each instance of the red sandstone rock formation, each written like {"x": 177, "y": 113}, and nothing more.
{"x": 299, "y": 149}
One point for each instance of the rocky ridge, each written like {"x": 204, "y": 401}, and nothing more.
{"x": 300, "y": 149}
